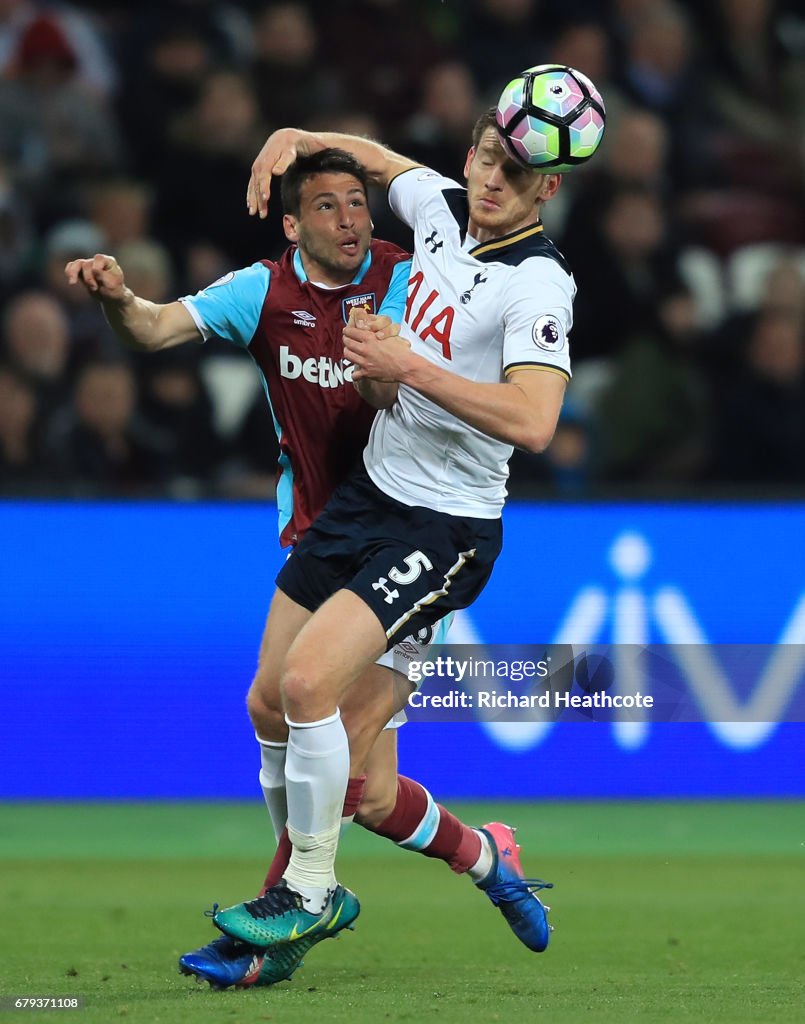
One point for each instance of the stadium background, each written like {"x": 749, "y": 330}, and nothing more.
{"x": 132, "y": 132}
{"x": 138, "y": 525}
{"x": 132, "y": 629}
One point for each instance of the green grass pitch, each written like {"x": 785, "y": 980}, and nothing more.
{"x": 679, "y": 912}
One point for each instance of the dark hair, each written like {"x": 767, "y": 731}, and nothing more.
{"x": 326, "y": 161}
{"x": 486, "y": 120}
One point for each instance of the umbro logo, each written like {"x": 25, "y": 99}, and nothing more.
{"x": 302, "y": 318}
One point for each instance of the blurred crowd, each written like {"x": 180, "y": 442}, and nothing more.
{"x": 130, "y": 129}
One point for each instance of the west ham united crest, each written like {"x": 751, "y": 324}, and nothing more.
{"x": 360, "y": 303}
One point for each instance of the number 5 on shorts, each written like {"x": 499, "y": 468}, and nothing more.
{"x": 416, "y": 562}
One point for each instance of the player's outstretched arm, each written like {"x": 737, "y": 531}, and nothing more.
{"x": 139, "y": 323}
{"x": 522, "y": 412}
{"x": 283, "y": 146}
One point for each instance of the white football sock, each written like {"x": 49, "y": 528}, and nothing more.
{"x": 312, "y": 860}
{"x": 272, "y": 781}
{"x": 316, "y": 773}
{"x": 481, "y": 868}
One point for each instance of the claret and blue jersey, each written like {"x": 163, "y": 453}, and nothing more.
{"x": 292, "y": 329}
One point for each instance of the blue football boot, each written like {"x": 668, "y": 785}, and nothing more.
{"x": 225, "y": 962}
{"x": 514, "y": 895}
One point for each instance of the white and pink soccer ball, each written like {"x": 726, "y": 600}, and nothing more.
{"x": 551, "y": 117}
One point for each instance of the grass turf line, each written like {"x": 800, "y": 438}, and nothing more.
{"x": 240, "y": 830}
{"x": 649, "y": 927}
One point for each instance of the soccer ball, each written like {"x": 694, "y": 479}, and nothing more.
{"x": 551, "y": 117}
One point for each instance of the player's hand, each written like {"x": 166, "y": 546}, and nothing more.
{"x": 373, "y": 344}
{"x": 101, "y": 275}
{"x": 378, "y": 323}
{"x": 279, "y": 152}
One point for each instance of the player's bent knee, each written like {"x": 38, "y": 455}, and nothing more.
{"x": 303, "y": 698}
{"x": 266, "y": 714}
{"x": 375, "y": 807}
{"x": 379, "y": 797}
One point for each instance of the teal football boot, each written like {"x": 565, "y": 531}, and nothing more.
{"x": 279, "y": 918}
{"x": 281, "y": 961}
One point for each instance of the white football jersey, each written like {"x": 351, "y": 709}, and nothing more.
{"x": 479, "y": 311}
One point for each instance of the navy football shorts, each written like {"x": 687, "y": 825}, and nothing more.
{"x": 411, "y": 565}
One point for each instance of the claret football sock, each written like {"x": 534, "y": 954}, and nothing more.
{"x": 352, "y": 798}
{"x": 282, "y": 856}
{"x": 418, "y": 823}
